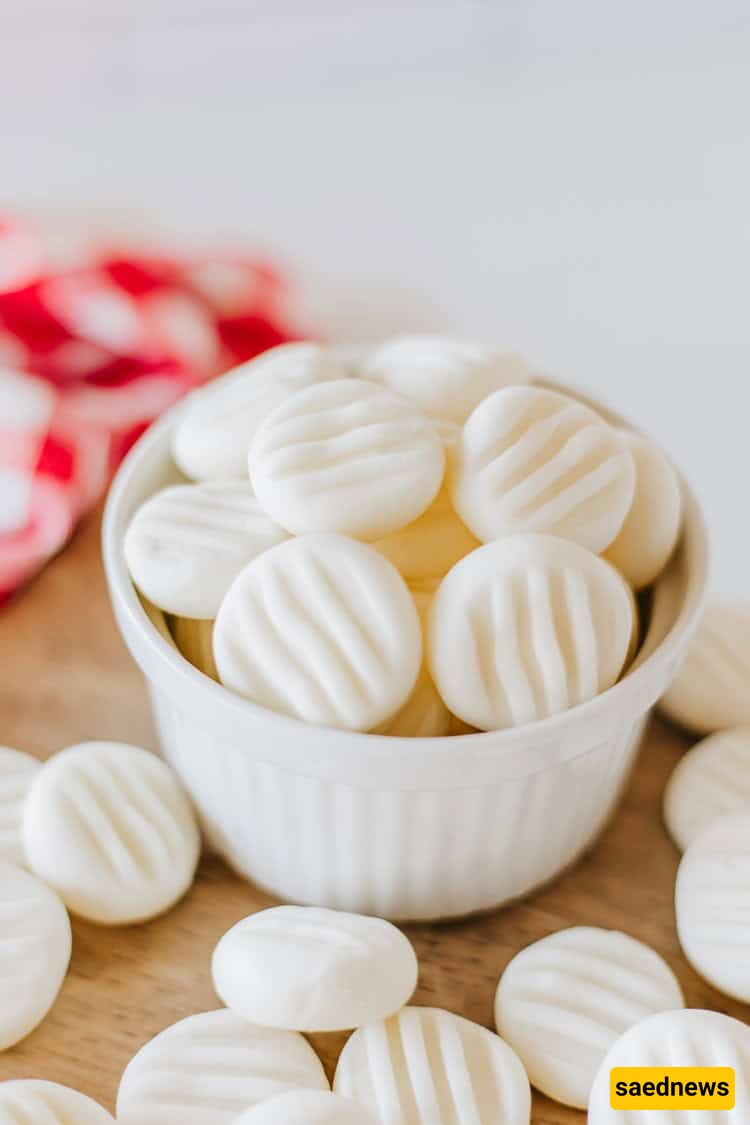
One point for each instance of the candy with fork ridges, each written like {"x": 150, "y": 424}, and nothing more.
{"x": 322, "y": 628}
{"x": 534, "y": 460}
{"x": 684, "y": 1038}
{"x": 216, "y": 1065}
{"x": 564, "y": 1001}
{"x": 306, "y": 969}
{"x": 711, "y": 691}
{"x": 32, "y": 1102}
{"x": 35, "y": 946}
{"x": 428, "y": 1065}
{"x": 186, "y": 545}
{"x": 218, "y": 422}
{"x": 110, "y": 829}
{"x": 525, "y": 628}
{"x": 347, "y": 456}
{"x": 712, "y": 903}
{"x": 710, "y": 782}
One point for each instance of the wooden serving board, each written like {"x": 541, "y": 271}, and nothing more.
{"x": 66, "y": 676}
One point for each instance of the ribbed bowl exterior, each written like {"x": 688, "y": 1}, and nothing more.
{"x": 403, "y": 854}
{"x": 402, "y": 828}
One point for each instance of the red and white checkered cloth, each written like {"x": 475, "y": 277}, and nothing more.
{"x": 90, "y": 355}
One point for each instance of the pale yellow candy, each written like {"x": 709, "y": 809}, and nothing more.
{"x": 432, "y": 544}
{"x": 711, "y": 690}
{"x": 156, "y": 616}
{"x": 648, "y": 537}
{"x": 194, "y": 638}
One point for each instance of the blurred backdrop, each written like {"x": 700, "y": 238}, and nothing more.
{"x": 569, "y": 179}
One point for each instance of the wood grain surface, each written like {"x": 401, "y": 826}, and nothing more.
{"x": 66, "y": 677}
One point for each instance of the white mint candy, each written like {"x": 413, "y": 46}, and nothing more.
{"x": 563, "y": 1001}
{"x": 218, "y": 422}
{"x": 687, "y": 1038}
{"x": 709, "y": 783}
{"x": 712, "y": 903}
{"x": 109, "y": 828}
{"x": 322, "y": 628}
{"x": 447, "y": 378}
{"x": 711, "y": 691}
{"x": 428, "y": 1065}
{"x": 307, "y": 1107}
{"x": 308, "y": 969}
{"x": 30, "y": 1102}
{"x": 424, "y": 715}
{"x": 525, "y": 628}
{"x": 431, "y": 545}
{"x": 347, "y": 456}
{"x": 194, "y": 639}
{"x": 35, "y": 947}
{"x": 186, "y": 545}
{"x": 210, "y": 1068}
{"x": 17, "y": 771}
{"x": 647, "y": 538}
{"x": 530, "y": 459}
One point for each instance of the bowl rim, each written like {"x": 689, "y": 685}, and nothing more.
{"x": 633, "y": 694}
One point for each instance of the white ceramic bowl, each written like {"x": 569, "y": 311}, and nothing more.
{"x": 405, "y": 828}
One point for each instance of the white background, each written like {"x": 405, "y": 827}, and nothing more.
{"x": 567, "y": 177}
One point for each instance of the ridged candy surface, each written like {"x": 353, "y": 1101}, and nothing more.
{"x": 711, "y": 691}
{"x": 17, "y": 771}
{"x": 210, "y": 1068}
{"x": 307, "y": 1107}
{"x": 710, "y": 782}
{"x": 712, "y": 901}
{"x": 109, "y": 828}
{"x": 30, "y": 1102}
{"x": 321, "y": 628}
{"x": 186, "y": 545}
{"x": 347, "y": 456}
{"x": 534, "y": 460}
{"x": 525, "y": 628}
{"x": 306, "y": 969}
{"x": 687, "y": 1038}
{"x": 35, "y": 946}
{"x": 426, "y": 1066}
{"x": 564, "y": 1001}
{"x": 218, "y": 422}
{"x": 446, "y": 377}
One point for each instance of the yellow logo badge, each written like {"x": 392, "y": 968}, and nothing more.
{"x": 675, "y": 1087}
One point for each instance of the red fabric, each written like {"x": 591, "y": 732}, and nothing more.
{"x": 90, "y": 355}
